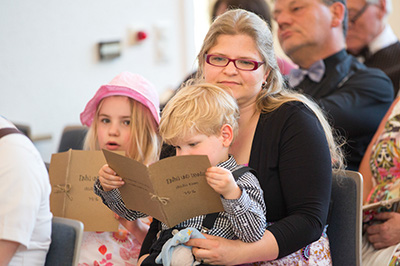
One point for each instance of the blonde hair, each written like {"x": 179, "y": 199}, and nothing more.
{"x": 273, "y": 92}
{"x": 145, "y": 143}
{"x": 199, "y": 108}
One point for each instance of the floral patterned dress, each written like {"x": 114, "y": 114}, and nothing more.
{"x": 110, "y": 248}
{"x": 316, "y": 253}
{"x": 385, "y": 165}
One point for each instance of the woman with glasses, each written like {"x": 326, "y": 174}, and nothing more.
{"x": 260, "y": 8}
{"x": 282, "y": 135}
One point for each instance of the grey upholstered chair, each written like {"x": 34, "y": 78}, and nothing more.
{"x": 345, "y": 219}
{"x": 24, "y": 129}
{"x": 66, "y": 239}
{"x": 72, "y": 138}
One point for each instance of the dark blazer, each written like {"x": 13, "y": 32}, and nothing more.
{"x": 355, "y": 98}
{"x": 388, "y": 60}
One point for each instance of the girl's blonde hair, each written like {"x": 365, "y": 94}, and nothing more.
{"x": 274, "y": 92}
{"x": 145, "y": 143}
{"x": 198, "y": 108}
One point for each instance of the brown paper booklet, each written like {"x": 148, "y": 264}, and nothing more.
{"x": 171, "y": 190}
{"x": 72, "y": 175}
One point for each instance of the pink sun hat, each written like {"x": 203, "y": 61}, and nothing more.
{"x": 125, "y": 84}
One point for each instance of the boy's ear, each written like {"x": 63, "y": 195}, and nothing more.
{"x": 227, "y": 135}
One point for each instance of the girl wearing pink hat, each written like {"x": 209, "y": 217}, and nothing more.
{"x": 123, "y": 115}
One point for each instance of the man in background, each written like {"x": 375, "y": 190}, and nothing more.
{"x": 355, "y": 98}
{"x": 371, "y": 39}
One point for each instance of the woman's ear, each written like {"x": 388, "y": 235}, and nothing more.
{"x": 226, "y": 135}
{"x": 266, "y": 76}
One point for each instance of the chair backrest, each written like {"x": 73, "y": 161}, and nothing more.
{"x": 66, "y": 239}
{"x": 24, "y": 129}
{"x": 345, "y": 219}
{"x": 72, "y": 138}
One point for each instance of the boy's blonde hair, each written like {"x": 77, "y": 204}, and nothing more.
{"x": 199, "y": 108}
{"x": 145, "y": 143}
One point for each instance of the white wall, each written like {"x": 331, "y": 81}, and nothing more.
{"x": 394, "y": 17}
{"x": 49, "y": 66}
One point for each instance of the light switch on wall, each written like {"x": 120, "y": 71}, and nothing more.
{"x": 109, "y": 50}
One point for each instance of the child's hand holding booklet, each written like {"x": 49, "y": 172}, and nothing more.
{"x": 171, "y": 190}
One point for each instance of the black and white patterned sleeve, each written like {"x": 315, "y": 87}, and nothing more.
{"x": 248, "y": 213}
{"x": 113, "y": 200}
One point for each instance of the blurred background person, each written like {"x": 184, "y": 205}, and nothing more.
{"x": 355, "y": 97}
{"x": 380, "y": 170}
{"x": 25, "y": 217}
{"x": 371, "y": 38}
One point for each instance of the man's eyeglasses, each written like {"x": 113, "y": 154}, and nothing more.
{"x": 353, "y": 18}
{"x": 242, "y": 64}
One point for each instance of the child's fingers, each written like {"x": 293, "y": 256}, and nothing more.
{"x": 106, "y": 169}
{"x": 218, "y": 173}
{"x": 108, "y": 178}
{"x": 110, "y": 185}
{"x": 216, "y": 170}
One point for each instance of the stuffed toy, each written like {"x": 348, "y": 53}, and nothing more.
{"x": 175, "y": 253}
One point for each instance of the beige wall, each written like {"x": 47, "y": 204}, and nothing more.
{"x": 394, "y": 18}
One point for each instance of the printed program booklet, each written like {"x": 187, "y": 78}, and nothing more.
{"x": 171, "y": 190}
{"x": 72, "y": 175}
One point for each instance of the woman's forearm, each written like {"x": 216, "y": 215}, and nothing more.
{"x": 221, "y": 251}
{"x": 264, "y": 250}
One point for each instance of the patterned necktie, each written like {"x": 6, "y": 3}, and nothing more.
{"x": 315, "y": 73}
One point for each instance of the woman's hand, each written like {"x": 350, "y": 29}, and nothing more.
{"x": 387, "y": 233}
{"x": 214, "y": 250}
{"x": 221, "y": 251}
{"x": 109, "y": 179}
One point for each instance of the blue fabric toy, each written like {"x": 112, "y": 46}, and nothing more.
{"x": 175, "y": 253}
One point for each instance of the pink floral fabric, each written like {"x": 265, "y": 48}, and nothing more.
{"x": 110, "y": 248}
{"x": 385, "y": 164}
{"x": 385, "y": 157}
{"x": 317, "y": 253}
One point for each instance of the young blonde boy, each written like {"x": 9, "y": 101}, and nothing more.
{"x": 202, "y": 119}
